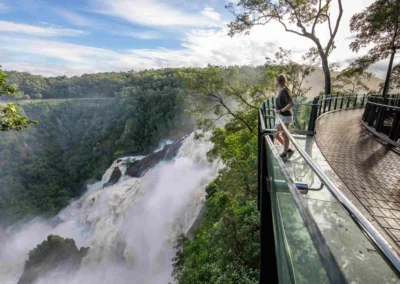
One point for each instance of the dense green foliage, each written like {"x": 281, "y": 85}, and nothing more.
{"x": 377, "y": 26}
{"x": 77, "y": 140}
{"x": 10, "y": 118}
{"x": 101, "y": 85}
{"x": 45, "y": 167}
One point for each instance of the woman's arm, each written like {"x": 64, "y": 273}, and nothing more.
{"x": 288, "y": 106}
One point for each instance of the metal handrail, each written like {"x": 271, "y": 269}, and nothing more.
{"x": 383, "y": 105}
{"x": 328, "y": 260}
{"x": 366, "y": 226}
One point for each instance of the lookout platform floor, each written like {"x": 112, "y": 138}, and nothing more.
{"x": 369, "y": 169}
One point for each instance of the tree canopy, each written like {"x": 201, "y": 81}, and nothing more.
{"x": 296, "y": 16}
{"x": 10, "y": 114}
{"x": 377, "y": 25}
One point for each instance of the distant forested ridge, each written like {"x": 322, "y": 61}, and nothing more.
{"x": 100, "y": 85}
{"x": 76, "y": 140}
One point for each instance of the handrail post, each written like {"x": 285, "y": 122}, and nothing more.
{"x": 336, "y": 99}
{"x": 371, "y": 117}
{"x": 325, "y": 99}
{"x": 348, "y": 101}
{"x": 355, "y": 101}
{"x": 320, "y": 106}
{"x": 341, "y": 103}
{"x": 395, "y": 129}
{"x": 313, "y": 115}
{"x": 381, "y": 116}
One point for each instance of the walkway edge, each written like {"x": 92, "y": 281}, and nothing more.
{"x": 381, "y": 136}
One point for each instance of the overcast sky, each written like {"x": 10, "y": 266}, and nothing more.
{"x": 73, "y": 37}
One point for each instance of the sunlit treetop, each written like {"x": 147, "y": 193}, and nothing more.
{"x": 10, "y": 115}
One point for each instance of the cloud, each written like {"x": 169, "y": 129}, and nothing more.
{"x": 143, "y": 35}
{"x": 45, "y": 49}
{"x": 210, "y": 12}
{"x": 12, "y": 27}
{"x": 198, "y": 46}
{"x": 79, "y": 20}
{"x": 153, "y": 13}
{"x": 74, "y": 18}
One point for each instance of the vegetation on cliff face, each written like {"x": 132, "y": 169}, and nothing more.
{"x": 77, "y": 140}
{"x": 55, "y": 252}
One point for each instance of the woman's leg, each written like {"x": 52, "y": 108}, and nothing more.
{"x": 277, "y": 135}
{"x": 285, "y": 140}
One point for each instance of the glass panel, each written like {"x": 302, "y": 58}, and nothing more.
{"x": 298, "y": 258}
{"x": 301, "y": 112}
{"x": 355, "y": 255}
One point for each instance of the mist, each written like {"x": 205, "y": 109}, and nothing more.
{"x": 131, "y": 227}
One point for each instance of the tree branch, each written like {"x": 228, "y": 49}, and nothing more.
{"x": 316, "y": 17}
{"x": 238, "y": 95}
{"x": 330, "y": 43}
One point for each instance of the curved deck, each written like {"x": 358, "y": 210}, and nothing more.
{"x": 369, "y": 168}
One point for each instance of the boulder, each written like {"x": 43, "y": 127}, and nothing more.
{"x": 139, "y": 167}
{"x": 54, "y": 253}
{"x": 114, "y": 178}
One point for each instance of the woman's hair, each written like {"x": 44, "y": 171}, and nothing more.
{"x": 281, "y": 79}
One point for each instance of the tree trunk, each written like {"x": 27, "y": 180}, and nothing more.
{"x": 393, "y": 48}
{"x": 388, "y": 74}
{"x": 325, "y": 68}
{"x": 327, "y": 72}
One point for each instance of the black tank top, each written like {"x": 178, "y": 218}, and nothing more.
{"x": 282, "y": 100}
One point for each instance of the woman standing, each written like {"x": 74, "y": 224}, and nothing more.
{"x": 284, "y": 104}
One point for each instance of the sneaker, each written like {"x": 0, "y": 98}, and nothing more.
{"x": 290, "y": 153}
{"x": 283, "y": 156}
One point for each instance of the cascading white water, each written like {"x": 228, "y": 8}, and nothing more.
{"x": 130, "y": 227}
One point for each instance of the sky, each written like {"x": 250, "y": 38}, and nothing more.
{"x": 73, "y": 37}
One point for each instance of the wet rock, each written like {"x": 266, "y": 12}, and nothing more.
{"x": 196, "y": 224}
{"x": 115, "y": 176}
{"x": 140, "y": 167}
{"x": 54, "y": 253}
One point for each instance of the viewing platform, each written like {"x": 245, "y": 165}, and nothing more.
{"x": 333, "y": 209}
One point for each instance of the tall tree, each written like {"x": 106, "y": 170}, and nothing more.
{"x": 306, "y": 15}
{"x": 10, "y": 118}
{"x": 378, "y": 24}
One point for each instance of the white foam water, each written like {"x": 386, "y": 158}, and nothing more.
{"x": 131, "y": 227}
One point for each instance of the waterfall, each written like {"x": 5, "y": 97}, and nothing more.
{"x": 131, "y": 226}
